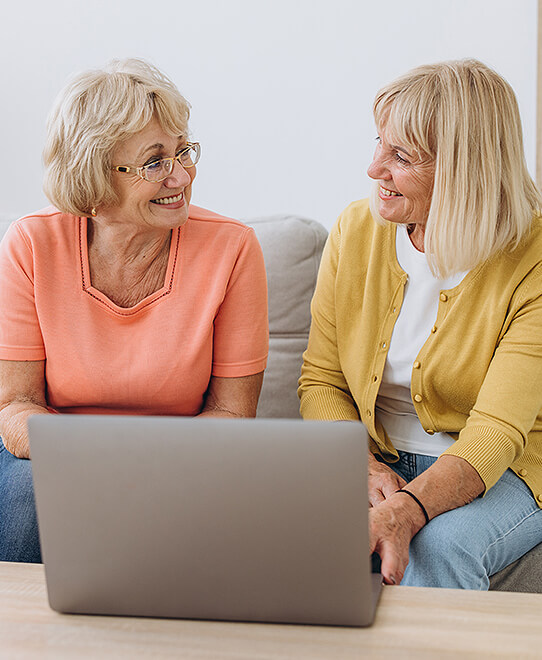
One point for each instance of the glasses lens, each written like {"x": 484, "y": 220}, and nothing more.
{"x": 189, "y": 156}
{"x": 158, "y": 170}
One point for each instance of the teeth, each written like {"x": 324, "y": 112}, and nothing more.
{"x": 168, "y": 200}
{"x": 389, "y": 193}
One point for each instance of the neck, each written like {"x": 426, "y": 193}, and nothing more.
{"x": 126, "y": 244}
{"x": 416, "y": 233}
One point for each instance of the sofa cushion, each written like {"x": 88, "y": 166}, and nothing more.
{"x": 292, "y": 248}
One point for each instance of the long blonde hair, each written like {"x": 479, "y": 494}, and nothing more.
{"x": 465, "y": 116}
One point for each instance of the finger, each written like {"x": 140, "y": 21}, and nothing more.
{"x": 376, "y": 496}
{"x": 390, "y": 488}
{"x": 402, "y": 482}
{"x": 393, "y": 563}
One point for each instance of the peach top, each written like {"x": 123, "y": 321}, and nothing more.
{"x": 156, "y": 358}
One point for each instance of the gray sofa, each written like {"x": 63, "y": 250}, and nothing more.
{"x": 292, "y": 248}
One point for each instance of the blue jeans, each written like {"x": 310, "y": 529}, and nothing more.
{"x": 19, "y": 539}
{"x": 462, "y": 548}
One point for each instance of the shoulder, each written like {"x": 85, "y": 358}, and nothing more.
{"x": 37, "y": 230}
{"x": 534, "y": 238}
{"x": 47, "y": 220}
{"x": 210, "y": 236}
{"x": 357, "y": 232}
{"x": 528, "y": 254}
{"x": 210, "y": 221}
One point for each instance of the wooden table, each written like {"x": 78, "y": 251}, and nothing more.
{"x": 410, "y": 622}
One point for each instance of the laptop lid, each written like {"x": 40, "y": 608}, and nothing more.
{"x": 247, "y": 520}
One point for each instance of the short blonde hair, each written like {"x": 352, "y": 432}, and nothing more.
{"x": 93, "y": 113}
{"x": 465, "y": 117}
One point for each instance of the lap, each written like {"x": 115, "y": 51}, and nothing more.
{"x": 19, "y": 538}
{"x": 465, "y": 546}
{"x": 499, "y": 527}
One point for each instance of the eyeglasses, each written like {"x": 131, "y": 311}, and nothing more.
{"x": 161, "y": 168}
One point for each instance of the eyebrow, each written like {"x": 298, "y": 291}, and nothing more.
{"x": 158, "y": 146}
{"x": 398, "y": 148}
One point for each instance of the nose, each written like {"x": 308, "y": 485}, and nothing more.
{"x": 377, "y": 169}
{"x": 179, "y": 176}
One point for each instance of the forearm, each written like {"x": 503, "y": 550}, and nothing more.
{"x": 221, "y": 412}
{"x": 449, "y": 483}
{"x": 232, "y": 397}
{"x": 13, "y": 427}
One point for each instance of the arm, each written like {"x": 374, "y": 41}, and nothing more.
{"x": 494, "y": 436}
{"x": 323, "y": 389}
{"x": 240, "y": 338}
{"x": 233, "y": 397}
{"x": 449, "y": 483}
{"x": 22, "y": 393}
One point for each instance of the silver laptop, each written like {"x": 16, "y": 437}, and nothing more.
{"x": 240, "y": 520}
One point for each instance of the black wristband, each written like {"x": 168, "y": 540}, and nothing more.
{"x": 403, "y": 490}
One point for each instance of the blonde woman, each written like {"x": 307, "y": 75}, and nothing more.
{"x": 122, "y": 297}
{"x": 427, "y": 326}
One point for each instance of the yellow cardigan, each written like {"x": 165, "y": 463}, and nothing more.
{"x": 478, "y": 376}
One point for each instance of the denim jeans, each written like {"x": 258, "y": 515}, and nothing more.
{"x": 19, "y": 539}
{"x": 462, "y": 548}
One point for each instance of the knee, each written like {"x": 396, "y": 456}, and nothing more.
{"x": 443, "y": 555}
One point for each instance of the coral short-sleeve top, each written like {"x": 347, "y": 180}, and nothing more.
{"x": 208, "y": 319}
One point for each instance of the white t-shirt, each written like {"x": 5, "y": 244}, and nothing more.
{"x": 412, "y": 328}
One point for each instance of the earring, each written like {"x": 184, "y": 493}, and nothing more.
{"x": 93, "y": 212}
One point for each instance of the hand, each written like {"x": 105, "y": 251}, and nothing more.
{"x": 392, "y": 525}
{"x": 383, "y": 481}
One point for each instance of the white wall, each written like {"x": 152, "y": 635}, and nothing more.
{"x": 281, "y": 90}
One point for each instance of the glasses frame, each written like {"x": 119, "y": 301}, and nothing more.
{"x": 142, "y": 171}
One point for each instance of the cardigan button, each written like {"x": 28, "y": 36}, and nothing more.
{"x": 522, "y": 472}
{"x": 369, "y": 413}
{"x": 418, "y": 398}
{"x": 416, "y": 365}
{"x": 434, "y": 329}
{"x": 443, "y": 297}
{"x": 430, "y": 432}
{"x": 539, "y": 497}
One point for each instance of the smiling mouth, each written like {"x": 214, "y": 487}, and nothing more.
{"x": 168, "y": 200}
{"x": 390, "y": 193}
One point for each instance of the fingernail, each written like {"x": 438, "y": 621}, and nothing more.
{"x": 392, "y": 579}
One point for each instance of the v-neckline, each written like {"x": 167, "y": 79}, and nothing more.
{"x": 99, "y": 296}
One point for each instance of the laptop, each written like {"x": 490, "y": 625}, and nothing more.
{"x": 236, "y": 520}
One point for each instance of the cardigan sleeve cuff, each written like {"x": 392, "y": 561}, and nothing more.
{"x": 488, "y": 450}
{"x": 327, "y": 403}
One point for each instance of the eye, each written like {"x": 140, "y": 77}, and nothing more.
{"x": 401, "y": 160}
{"x": 152, "y": 164}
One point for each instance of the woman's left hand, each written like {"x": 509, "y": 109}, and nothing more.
{"x": 392, "y": 525}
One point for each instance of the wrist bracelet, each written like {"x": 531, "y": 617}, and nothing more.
{"x": 403, "y": 490}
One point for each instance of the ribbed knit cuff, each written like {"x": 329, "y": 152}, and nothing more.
{"x": 327, "y": 403}
{"x": 488, "y": 450}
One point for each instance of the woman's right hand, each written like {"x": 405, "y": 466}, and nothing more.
{"x": 383, "y": 481}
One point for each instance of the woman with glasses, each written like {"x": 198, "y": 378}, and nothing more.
{"x": 122, "y": 298}
{"x": 427, "y": 327}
